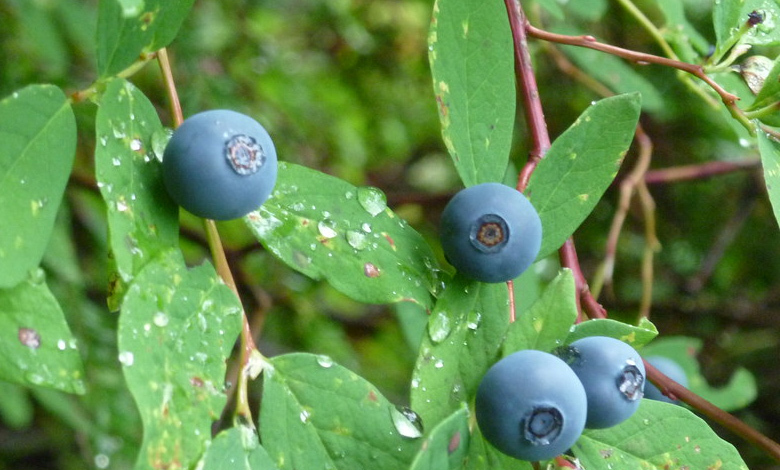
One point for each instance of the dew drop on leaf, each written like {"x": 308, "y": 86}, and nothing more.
{"x": 160, "y": 319}
{"x": 326, "y": 229}
{"x": 324, "y": 361}
{"x": 304, "y": 416}
{"x": 439, "y": 326}
{"x": 127, "y": 358}
{"x": 406, "y": 422}
{"x": 473, "y": 319}
{"x": 357, "y": 240}
{"x": 372, "y": 199}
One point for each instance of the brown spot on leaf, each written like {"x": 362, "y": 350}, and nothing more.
{"x": 29, "y": 338}
{"x": 454, "y": 443}
{"x": 370, "y": 270}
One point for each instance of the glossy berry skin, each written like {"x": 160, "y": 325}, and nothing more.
{"x": 490, "y": 232}
{"x": 531, "y": 406}
{"x": 613, "y": 375}
{"x": 220, "y": 165}
{"x": 669, "y": 368}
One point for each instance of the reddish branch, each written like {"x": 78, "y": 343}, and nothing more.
{"x": 699, "y": 172}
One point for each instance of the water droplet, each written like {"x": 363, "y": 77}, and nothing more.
{"x": 439, "y": 326}
{"x": 160, "y": 319}
{"x": 349, "y": 195}
{"x": 357, "y": 240}
{"x": 34, "y": 378}
{"x": 121, "y": 205}
{"x": 406, "y": 422}
{"x": 62, "y": 345}
{"x": 438, "y": 364}
{"x": 631, "y": 382}
{"x": 135, "y": 145}
{"x": 327, "y": 229}
{"x": 304, "y": 416}
{"x": 116, "y": 161}
{"x": 324, "y": 361}
{"x": 160, "y": 140}
{"x": 102, "y": 461}
{"x": 366, "y": 227}
{"x": 127, "y": 358}
{"x": 473, "y": 319}
{"x": 372, "y": 199}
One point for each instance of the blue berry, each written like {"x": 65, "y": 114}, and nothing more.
{"x": 531, "y": 406}
{"x": 490, "y": 232}
{"x": 672, "y": 370}
{"x": 613, "y": 375}
{"x": 220, "y": 165}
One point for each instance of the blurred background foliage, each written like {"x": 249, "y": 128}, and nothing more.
{"x": 344, "y": 86}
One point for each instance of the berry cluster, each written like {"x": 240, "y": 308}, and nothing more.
{"x": 533, "y": 405}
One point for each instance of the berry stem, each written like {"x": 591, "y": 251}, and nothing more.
{"x": 674, "y": 390}
{"x": 218, "y": 255}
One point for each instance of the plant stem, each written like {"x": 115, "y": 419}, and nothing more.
{"x": 534, "y": 113}
{"x": 700, "y": 171}
{"x": 649, "y": 26}
{"x": 218, "y": 255}
{"x": 671, "y": 388}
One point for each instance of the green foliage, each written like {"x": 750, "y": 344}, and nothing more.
{"x": 470, "y": 51}
{"x": 38, "y": 132}
{"x": 580, "y": 166}
{"x": 344, "y": 89}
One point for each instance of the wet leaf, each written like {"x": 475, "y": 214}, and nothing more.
{"x": 658, "y": 435}
{"x": 142, "y": 218}
{"x": 325, "y": 416}
{"x": 176, "y": 329}
{"x": 128, "y": 28}
{"x": 447, "y": 444}
{"x": 471, "y": 57}
{"x": 36, "y": 345}
{"x": 580, "y": 166}
{"x": 328, "y": 229}
{"x": 770, "y": 160}
{"x": 236, "y": 449}
{"x": 38, "y": 135}
{"x": 451, "y": 363}
{"x": 483, "y": 456}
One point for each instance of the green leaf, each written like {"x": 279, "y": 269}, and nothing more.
{"x": 740, "y": 390}
{"x": 36, "y": 345}
{"x": 128, "y": 28}
{"x": 770, "y": 160}
{"x": 658, "y": 435}
{"x": 471, "y": 57}
{"x": 327, "y": 228}
{"x": 549, "y": 319}
{"x": 446, "y": 446}
{"x": 142, "y": 218}
{"x": 176, "y": 330}
{"x": 236, "y": 449}
{"x": 680, "y": 32}
{"x": 483, "y": 456}
{"x": 726, "y": 19}
{"x": 317, "y": 414}
{"x": 38, "y": 132}
{"x": 580, "y": 166}
{"x": 464, "y": 339}
{"x": 636, "y": 336}
{"x": 730, "y": 18}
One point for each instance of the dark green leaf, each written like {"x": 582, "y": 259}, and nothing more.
{"x": 740, "y": 390}
{"x": 128, "y": 28}
{"x": 471, "y": 57}
{"x": 464, "y": 339}
{"x": 318, "y": 414}
{"x": 142, "y": 219}
{"x": 636, "y": 336}
{"x": 236, "y": 449}
{"x": 36, "y": 345}
{"x": 726, "y": 19}
{"x": 658, "y": 435}
{"x": 38, "y": 135}
{"x": 680, "y": 32}
{"x": 580, "y": 166}
{"x": 546, "y": 324}
{"x": 483, "y": 456}
{"x": 326, "y": 228}
{"x": 447, "y": 444}
{"x": 176, "y": 330}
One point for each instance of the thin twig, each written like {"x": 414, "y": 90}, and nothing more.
{"x": 218, "y": 255}
{"x": 700, "y": 171}
{"x": 672, "y": 389}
